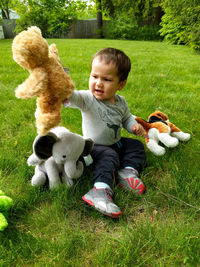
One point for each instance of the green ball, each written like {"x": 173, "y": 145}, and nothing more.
{"x": 3, "y": 222}
{"x": 5, "y": 203}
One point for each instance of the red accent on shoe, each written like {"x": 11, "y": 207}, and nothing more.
{"x": 131, "y": 182}
{"x": 109, "y": 197}
{"x": 136, "y": 182}
{"x": 88, "y": 201}
{"x": 141, "y": 187}
{"x": 114, "y": 215}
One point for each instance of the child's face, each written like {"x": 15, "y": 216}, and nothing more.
{"x": 104, "y": 81}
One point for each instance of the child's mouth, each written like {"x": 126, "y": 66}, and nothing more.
{"x": 98, "y": 92}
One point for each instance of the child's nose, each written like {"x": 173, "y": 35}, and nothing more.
{"x": 99, "y": 82}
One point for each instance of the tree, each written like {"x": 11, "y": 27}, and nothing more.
{"x": 181, "y": 22}
{"x": 6, "y": 6}
{"x": 108, "y": 8}
{"x": 51, "y": 16}
{"x": 138, "y": 19}
{"x": 142, "y": 10}
{"x": 99, "y": 19}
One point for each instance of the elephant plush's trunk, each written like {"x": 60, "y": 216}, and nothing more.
{"x": 73, "y": 169}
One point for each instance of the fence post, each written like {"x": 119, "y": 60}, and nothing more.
{"x": 1, "y": 32}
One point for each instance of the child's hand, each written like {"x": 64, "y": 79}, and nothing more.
{"x": 138, "y": 129}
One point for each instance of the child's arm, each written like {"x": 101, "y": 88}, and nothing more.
{"x": 78, "y": 99}
{"x": 138, "y": 129}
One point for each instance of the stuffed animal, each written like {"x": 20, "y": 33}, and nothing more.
{"x": 57, "y": 155}
{"x": 158, "y": 128}
{"x": 5, "y": 204}
{"x": 47, "y": 81}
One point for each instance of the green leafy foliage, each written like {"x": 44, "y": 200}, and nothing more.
{"x": 126, "y": 27}
{"x": 6, "y": 7}
{"x": 122, "y": 27}
{"x": 141, "y": 9}
{"x": 181, "y": 22}
{"x": 132, "y": 20}
{"x": 51, "y": 16}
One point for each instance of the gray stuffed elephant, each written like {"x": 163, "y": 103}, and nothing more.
{"x": 56, "y": 157}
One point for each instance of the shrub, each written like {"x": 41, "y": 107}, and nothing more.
{"x": 122, "y": 27}
{"x": 181, "y": 22}
{"x": 126, "y": 27}
{"x": 149, "y": 32}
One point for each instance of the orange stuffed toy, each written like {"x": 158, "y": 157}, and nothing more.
{"x": 47, "y": 80}
{"x": 158, "y": 128}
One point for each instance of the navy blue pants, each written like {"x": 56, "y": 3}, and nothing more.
{"x": 107, "y": 160}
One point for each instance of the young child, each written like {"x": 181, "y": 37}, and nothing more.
{"x": 104, "y": 113}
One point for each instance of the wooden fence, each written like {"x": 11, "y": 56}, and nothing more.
{"x": 85, "y": 29}
{"x": 79, "y": 29}
{"x": 8, "y": 28}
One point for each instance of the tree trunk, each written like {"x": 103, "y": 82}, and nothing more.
{"x": 99, "y": 19}
{"x": 158, "y": 15}
{"x": 5, "y": 14}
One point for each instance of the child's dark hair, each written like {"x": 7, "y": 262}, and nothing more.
{"x": 119, "y": 58}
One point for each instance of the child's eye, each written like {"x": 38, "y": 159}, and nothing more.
{"x": 107, "y": 80}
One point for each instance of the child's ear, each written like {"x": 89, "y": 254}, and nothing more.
{"x": 122, "y": 84}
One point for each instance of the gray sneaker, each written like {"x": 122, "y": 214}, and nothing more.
{"x": 129, "y": 180}
{"x": 101, "y": 200}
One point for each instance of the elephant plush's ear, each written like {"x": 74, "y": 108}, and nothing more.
{"x": 43, "y": 145}
{"x": 88, "y": 147}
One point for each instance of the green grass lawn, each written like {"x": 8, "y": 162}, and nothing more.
{"x": 160, "y": 228}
